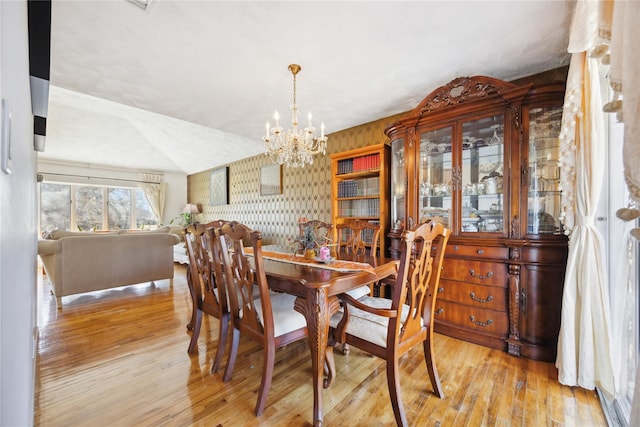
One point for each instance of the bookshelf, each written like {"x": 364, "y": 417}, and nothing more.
{"x": 360, "y": 187}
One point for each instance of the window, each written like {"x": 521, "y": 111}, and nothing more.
{"x": 624, "y": 274}
{"x": 84, "y": 207}
{"x": 119, "y": 208}
{"x": 623, "y": 268}
{"x": 144, "y": 215}
{"x": 55, "y": 207}
{"x": 89, "y": 208}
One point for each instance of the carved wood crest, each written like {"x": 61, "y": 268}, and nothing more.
{"x": 461, "y": 90}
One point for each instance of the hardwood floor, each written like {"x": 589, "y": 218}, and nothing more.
{"x": 119, "y": 358}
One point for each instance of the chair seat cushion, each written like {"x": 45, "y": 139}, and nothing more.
{"x": 256, "y": 294}
{"x": 360, "y": 292}
{"x": 368, "y": 326}
{"x": 285, "y": 318}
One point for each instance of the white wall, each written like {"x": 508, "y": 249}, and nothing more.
{"x": 17, "y": 226}
{"x": 56, "y": 171}
{"x": 176, "y": 195}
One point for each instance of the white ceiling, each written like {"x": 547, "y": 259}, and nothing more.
{"x": 189, "y": 85}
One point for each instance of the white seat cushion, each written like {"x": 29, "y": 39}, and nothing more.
{"x": 360, "y": 292}
{"x": 285, "y": 318}
{"x": 256, "y": 294}
{"x": 367, "y": 326}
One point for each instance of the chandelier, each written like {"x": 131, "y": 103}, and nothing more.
{"x": 293, "y": 147}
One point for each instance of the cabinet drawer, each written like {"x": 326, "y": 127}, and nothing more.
{"x": 481, "y": 296}
{"x": 545, "y": 254}
{"x": 484, "y": 273}
{"x": 477, "y": 251}
{"x": 489, "y": 321}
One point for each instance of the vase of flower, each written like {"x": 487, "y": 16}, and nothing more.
{"x": 307, "y": 243}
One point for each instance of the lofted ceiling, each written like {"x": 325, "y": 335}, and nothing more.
{"x": 184, "y": 86}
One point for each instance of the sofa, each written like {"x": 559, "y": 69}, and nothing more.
{"x": 78, "y": 262}
{"x": 180, "y": 254}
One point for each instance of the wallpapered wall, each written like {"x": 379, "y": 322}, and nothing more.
{"x": 306, "y": 191}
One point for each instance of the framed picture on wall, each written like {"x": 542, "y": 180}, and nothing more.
{"x": 270, "y": 180}
{"x": 219, "y": 185}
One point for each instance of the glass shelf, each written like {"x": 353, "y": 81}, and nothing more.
{"x": 478, "y": 179}
{"x": 544, "y": 195}
{"x": 482, "y": 175}
{"x": 435, "y": 176}
{"x": 463, "y": 166}
{"x": 398, "y": 183}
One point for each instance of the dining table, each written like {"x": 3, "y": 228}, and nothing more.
{"x": 317, "y": 284}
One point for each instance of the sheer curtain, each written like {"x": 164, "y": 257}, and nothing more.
{"x": 602, "y": 33}
{"x": 624, "y": 295}
{"x": 584, "y": 347}
{"x": 624, "y": 80}
{"x": 155, "y": 190}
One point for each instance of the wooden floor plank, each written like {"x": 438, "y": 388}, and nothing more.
{"x": 119, "y": 358}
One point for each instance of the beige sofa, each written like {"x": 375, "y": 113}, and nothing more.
{"x": 180, "y": 250}
{"x": 78, "y": 262}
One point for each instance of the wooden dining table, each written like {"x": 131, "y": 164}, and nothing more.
{"x": 317, "y": 286}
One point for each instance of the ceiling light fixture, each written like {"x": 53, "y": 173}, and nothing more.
{"x": 294, "y": 148}
{"x": 142, "y": 4}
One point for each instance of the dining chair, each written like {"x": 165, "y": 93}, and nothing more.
{"x": 358, "y": 237}
{"x": 207, "y": 294}
{"x": 271, "y": 319}
{"x": 389, "y": 328}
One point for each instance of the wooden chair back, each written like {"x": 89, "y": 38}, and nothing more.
{"x": 240, "y": 277}
{"x": 417, "y": 283}
{"x": 357, "y": 237}
{"x": 206, "y": 294}
{"x": 269, "y": 319}
{"x": 407, "y": 319}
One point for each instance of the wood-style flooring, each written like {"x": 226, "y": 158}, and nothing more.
{"x": 119, "y": 358}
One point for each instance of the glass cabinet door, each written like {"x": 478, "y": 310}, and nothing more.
{"x": 482, "y": 199}
{"x": 435, "y": 176}
{"x": 398, "y": 180}
{"x": 544, "y": 197}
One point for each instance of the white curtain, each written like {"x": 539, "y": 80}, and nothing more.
{"x": 584, "y": 347}
{"x": 625, "y": 81}
{"x": 155, "y": 189}
{"x": 624, "y": 297}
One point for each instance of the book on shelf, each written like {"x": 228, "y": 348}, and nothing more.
{"x": 359, "y": 187}
{"x": 359, "y": 164}
{"x": 359, "y": 208}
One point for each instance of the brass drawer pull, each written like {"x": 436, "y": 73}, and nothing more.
{"x": 480, "y": 276}
{"x": 487, "y": 323}
{"x": 476, "y": 299}
{"x": 440, "y": 311}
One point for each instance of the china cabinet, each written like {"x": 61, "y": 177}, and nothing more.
{"x": 360, "y": 187}
{"x": 481, "y": 155}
